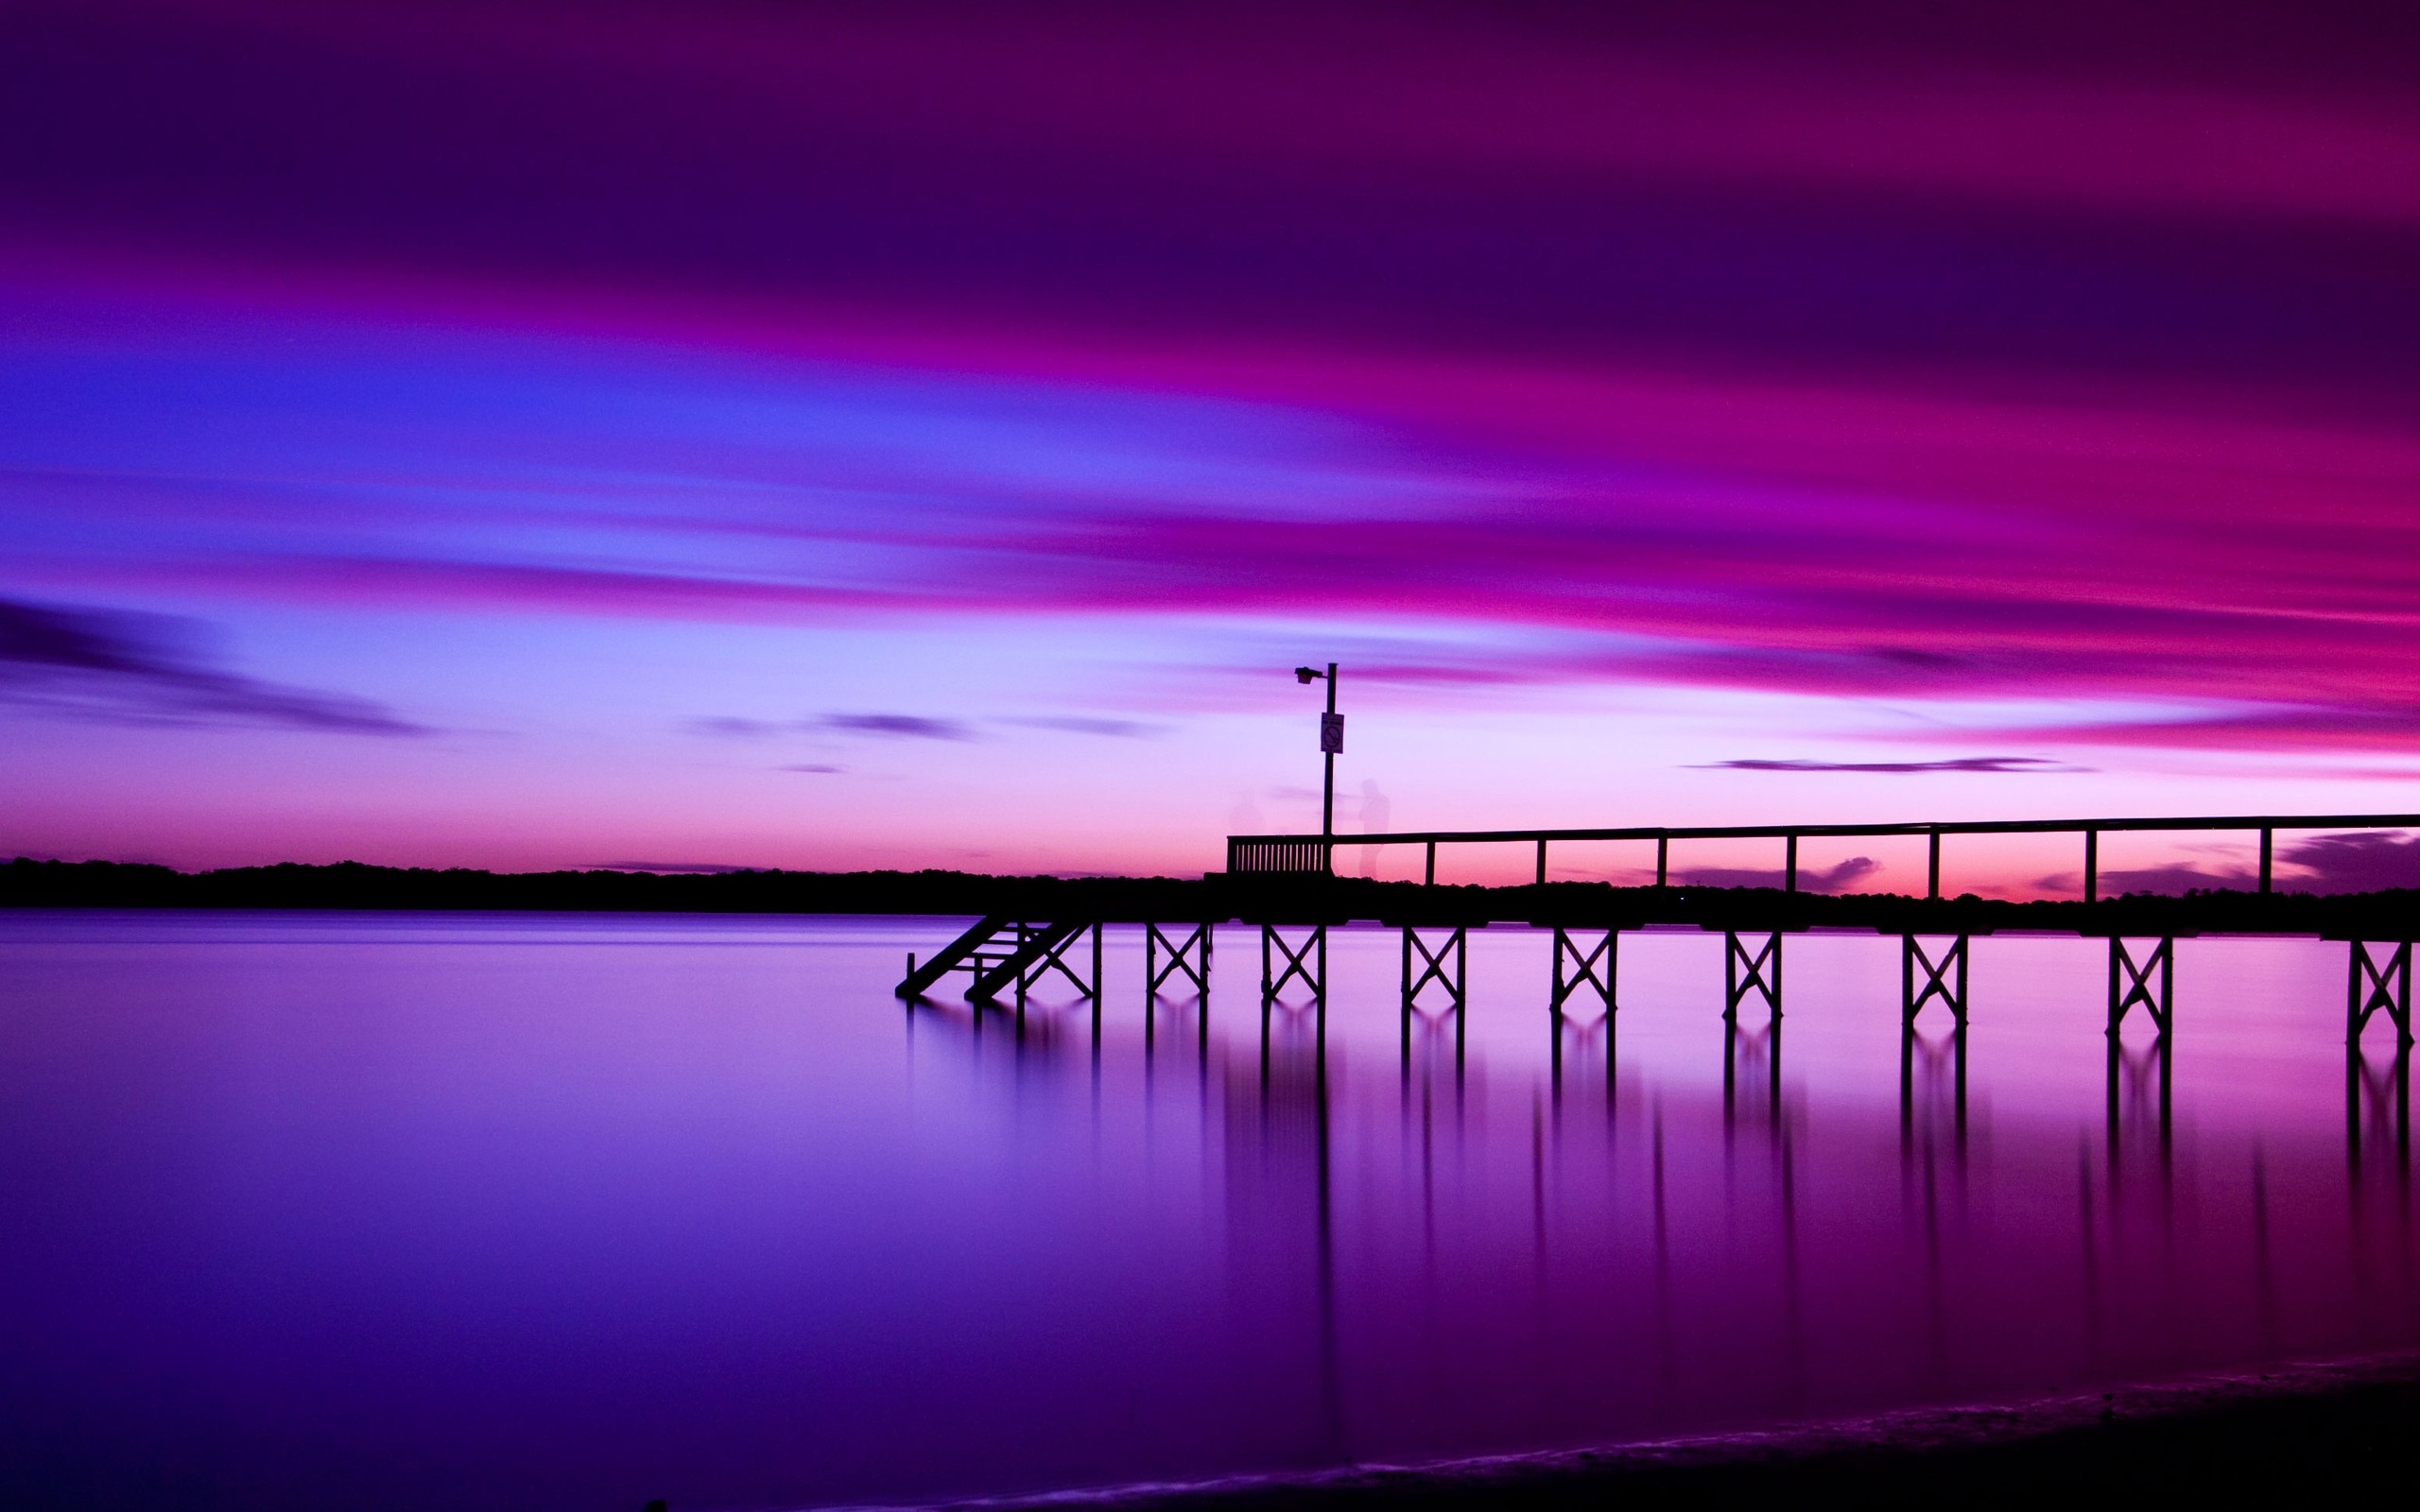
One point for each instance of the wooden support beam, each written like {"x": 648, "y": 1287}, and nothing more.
{"x": 1744, "y": 974}
{"x": 1945, "y": 978}
{"x": 2151, "y": 982}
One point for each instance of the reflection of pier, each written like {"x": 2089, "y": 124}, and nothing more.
{"x": 1369, "y": 1223}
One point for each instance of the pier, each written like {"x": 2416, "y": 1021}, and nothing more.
{"x": 1285, "y": 888}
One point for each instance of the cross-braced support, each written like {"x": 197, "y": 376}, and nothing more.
{"x": 1591, "y": 969}
{"x": 2132, "y": 982}
{"x": 1577, "y": 969}
{"x": 2377, "y": 983}
{"x": 1187, "y": 953}
{"x": 1038, "y": 950}
{"x": 1945, "y": 979}
{"x": 1744, "y": 974}
{"x": 1055, "y": 959}
{"x": 1443, "y": 965}
{"x": 1307, "y": 963}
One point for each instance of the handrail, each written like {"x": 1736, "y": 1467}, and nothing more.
{"x": 1299, "y": 854}
{"x": 1783, "y": 831}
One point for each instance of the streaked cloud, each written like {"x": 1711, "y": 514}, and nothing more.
{"x": 1955, "y": 764}
{"x": 902, "y": 727}
{"x": 731, "y": 727}
{"x": 2357, "y": 863}
{"x": 1086, "y": 725}
{"x": 1837, "y": 878}
{"x": 146, "y": 669}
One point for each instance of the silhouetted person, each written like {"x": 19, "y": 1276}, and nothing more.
{"x": 1375, "y": 811}
{"x": 1246, "y": 817}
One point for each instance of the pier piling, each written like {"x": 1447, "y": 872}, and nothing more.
{"x": 1306, "y": 963}
{"x": 2378, "y": 983}
{"x": 2132, "y": 982}
{"x": 1188, "y": 954}
{"x": 1744, "y": 974}
{"x": 1945, "y": 979}
{"x": 1591, "y": 969}
{"x": 1446, "y": 965}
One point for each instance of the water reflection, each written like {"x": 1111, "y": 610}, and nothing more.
{"x": 2377, "y": 1104}
{"x": 1932, "y": 1083}
{"x": 711, "y": 1186}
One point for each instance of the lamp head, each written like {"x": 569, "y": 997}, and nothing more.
{"x": 1306, "y": 676}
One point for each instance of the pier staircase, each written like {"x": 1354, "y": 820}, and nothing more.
{"x": 1001, "y": 952}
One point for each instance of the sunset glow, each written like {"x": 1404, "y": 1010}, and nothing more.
{"x": 686, "y": 437}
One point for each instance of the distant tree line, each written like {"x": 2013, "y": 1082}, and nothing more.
{"x": 28, "y": 883}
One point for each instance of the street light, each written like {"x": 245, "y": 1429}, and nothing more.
{"x": 1331, "y": 744}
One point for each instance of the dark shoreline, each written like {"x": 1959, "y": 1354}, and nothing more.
{"x": 2294, "y": 1431}
{"x": 1215, "y": 897}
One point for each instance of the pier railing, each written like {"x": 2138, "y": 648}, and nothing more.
{"x": 1297, "y": 855}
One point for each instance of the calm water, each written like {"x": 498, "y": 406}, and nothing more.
{"x": 530, "y": 1213}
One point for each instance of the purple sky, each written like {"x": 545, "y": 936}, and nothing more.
{"x": 525, "y": 435}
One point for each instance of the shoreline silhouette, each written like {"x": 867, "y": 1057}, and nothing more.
{"x": 1214, "y": 896}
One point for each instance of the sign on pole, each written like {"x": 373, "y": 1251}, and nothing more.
{"x": 1332, "y": 734}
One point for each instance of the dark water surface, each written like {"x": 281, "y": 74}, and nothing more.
{"x": 526, "y": 1211}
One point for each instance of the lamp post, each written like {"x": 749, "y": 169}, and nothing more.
{"x": 1331, "y": 746}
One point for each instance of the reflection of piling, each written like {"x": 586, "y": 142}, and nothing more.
{"x": 1667, "y": 1352}
{"x": 2128, "y": 1075}
{"x": 1909, "y": 1045}
{"x": 2263, "y": 1270}
{"x": 1280, "y": 1201}
{"x": 2385, "y": 1093}
{"x": 1737, "y": 1043}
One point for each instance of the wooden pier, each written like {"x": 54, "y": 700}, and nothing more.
{"x": 1284, "y": 887}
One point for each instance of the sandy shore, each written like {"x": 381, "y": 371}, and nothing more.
{"x": 2289, "y": 1431}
